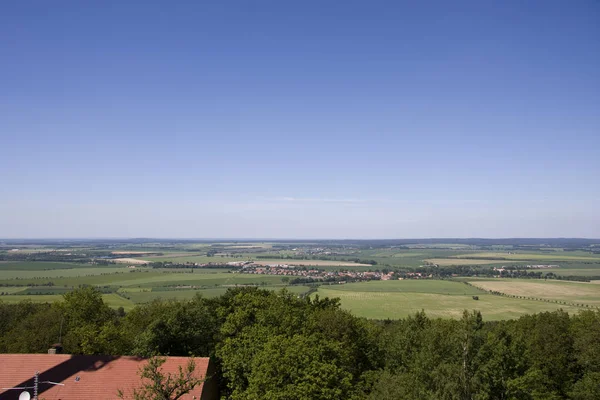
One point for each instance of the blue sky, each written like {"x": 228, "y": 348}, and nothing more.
{"x": 312, "y": 119}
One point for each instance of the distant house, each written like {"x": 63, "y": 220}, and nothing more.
{"x": 90, "y": 377}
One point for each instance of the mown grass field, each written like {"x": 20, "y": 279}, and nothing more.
{"x": 572, "y": 292}
{"x": 383, "y": 305}
{"x": 575, "y": 271}
{"x": 186, "y": 294}
{"x": 408, "y": 286}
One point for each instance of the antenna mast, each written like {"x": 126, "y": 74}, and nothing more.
{"x": 36, "y": 381}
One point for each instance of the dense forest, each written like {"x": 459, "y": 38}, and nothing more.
{"x": 277, "y": 346}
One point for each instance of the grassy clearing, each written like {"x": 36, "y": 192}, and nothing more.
{"x": 413, "y": 286}
{"x": 572, "y": 292}
{"x": 382, "y": 305}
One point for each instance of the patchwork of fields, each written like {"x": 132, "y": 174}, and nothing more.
{"x": 124, "y": 287}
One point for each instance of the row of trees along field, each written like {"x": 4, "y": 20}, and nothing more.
{"x": 276, "y": 346}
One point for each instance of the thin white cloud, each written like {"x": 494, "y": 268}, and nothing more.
{"x": 317, "y": 200}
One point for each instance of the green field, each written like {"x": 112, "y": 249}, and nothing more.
{"x": 201, "y": 259}
{"x": 574, "y": 271}
{"x": 546, "y": 256}
{"x": 113, "y": 300}
{"x": 152, "y": 278}
{"x": 571, "y": 292}
{"x": 409, "y": 286}
{"x": 446, "y": 262}
{"x": 46, "y": 281}
{"x": 397, "y": 299}
{"x": 60, "y": 273}
{"x": 41, "y": 266}
{"x": 382, "y": 305}
{"x": 11, "y": 289}
{"x": 138, "y": 295}
{"x": 186, "y": 294}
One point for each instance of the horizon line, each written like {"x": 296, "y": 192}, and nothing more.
{"x": 299, "y": 238}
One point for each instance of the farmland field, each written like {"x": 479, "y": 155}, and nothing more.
{"x": 409, "y": 286}
{"x": 572, "y": 292}
{"x": 11, "y": 289}
{"x": 201, "y": 259}
{"x": 135, "y": 295}
{"x": 546, "y": 256}
{"x": 149, "y": 279}
{"x": 46, "y": 280}
{"x": 41, "y": 265}
{"x": 382, "y": 305}
{"x": 575, "y": 271}
{"x": 186, "y": 294}
{"x": 445, "y": 262}
{"x": 310, "y": 263}
{"x": 60, "y": 273}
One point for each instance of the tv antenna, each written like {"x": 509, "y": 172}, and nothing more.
{"x": 36, "y": 382}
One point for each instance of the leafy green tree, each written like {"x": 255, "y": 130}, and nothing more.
{"x": 172, "y": 328}
{"x": 32, "y": 332}
{"x": 404, "y": 386}
{"x": 298, "y": 367}
{"x": 158, "y": 385}
{"x": 585, "y": 330}
{"x": 85, "y": 314}
{"x": 587, "y": 388}
{"x": 547, "y": 357}
{"x": 253, "y": 317}
{"x": 496, "y": 363}
{"x": 471, "y": 341}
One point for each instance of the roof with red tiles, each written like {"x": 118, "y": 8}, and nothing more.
{"x": 85, "y": 377}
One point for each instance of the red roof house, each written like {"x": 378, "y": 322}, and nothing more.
{"x": 90, "y": 377}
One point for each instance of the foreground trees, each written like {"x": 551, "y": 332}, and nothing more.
{"x": 277, "y": 346}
